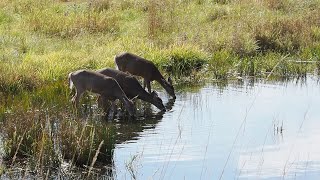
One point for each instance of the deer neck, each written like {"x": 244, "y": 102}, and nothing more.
{"x": 145, "y": 96}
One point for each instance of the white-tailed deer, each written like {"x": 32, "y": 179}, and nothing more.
{"x": 107, "y": 87}
{"x": 132, "y": 88}
{"x": 139, "y": 66}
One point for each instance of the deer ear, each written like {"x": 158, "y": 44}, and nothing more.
{"x": 134, "y": 98}
{"x": 169, "y": 80}
{"x": 154, "y": 94}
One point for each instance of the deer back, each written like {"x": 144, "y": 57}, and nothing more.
{"x": 137, "y": 65}
{"x": 96, "y": 83}
{"x": 132, "y": 87}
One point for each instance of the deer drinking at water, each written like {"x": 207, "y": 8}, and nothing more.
{"x": 106, "y": 87}
{"x": 132, "y": 88}
{"x": 139, "y": 66}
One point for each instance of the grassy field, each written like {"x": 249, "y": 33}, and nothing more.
{"x": 191, "y": 40}
{"x": 42, "y": 41}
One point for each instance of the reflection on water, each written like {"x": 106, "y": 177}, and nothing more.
{"x": 147, "y": 119}
{"x": 247, "y": 129}
{"x": 243, "y": 129}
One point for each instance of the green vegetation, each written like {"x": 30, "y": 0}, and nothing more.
{"x": 42, "y": 41}
{"x": 45, "y": 133}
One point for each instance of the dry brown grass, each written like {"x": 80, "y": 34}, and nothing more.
{"x": 283, "y": 35}
{"x": 68, "y": 23}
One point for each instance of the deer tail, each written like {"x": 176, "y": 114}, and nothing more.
{"x": 70, "y": 81}
{"x": 116, "y": 65}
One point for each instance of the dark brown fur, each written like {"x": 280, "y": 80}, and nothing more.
{"x": 139, "y": 66}
{"x": 107, "y": 87}
{"x": 131, "y": 86}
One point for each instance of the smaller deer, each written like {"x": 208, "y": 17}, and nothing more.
{"x": 132, "y": 88}
{"x": 139, "y": 66}
{"x": 107, "y": 87}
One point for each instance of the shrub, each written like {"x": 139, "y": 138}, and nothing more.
{"x": 220, "y": 63}
{"x": 182, "y": 61}
{"x": 217, "y": 12}
{"x": 282, "y": 35}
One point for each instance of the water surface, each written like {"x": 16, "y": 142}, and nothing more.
{"x": 248, "y": 129}
{"x": 244, "y": 129}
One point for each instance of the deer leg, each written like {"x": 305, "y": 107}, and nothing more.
{"x": 71, "y": 92}
{"x": 102, "y": 103}
{"x": 144, "y": 83}
{"x": 112, "y": 110}
{"x": 75, "y": 99}
{"x": 113, "y": 105}
{"x": 148, "y": 85}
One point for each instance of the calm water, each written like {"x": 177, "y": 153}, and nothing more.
{"x": 246, "y": 130}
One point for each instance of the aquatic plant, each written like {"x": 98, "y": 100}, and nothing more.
{"x": 46, "y": 133}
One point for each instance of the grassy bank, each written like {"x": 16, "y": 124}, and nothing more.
{"x": 42, "y": 41}
{"x": 42, "y": 136}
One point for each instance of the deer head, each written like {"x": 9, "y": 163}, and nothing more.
{"x": 157, "y": 101}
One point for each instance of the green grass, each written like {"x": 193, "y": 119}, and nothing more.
{"x": 41, "y": 131}
{"x": 191, "y": 40}
{"x": 42, "y": 41}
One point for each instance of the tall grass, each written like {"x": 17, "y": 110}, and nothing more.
{"x": 43, "y": 41}
{"x": 41, "y": 130}
{"x": 42, "y": 133}
{"x": 72, "y": 21}
{"x": 85, "y": 139}
{"x": 45, "y": 142}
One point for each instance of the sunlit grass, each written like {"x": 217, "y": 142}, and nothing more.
{"x": 46, "y": 138}
{"x": 43, "y": 41}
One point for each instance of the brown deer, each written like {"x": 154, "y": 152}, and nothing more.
{"x": 132, "y": 88}
{"x": 106, "y": 87}
{"x": 139, "y": 66}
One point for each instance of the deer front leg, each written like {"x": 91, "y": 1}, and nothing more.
{"x": 112, "y": 110}
{"x": 144, "y": 83}
{"x": 107, "y": 108}
{"x": 147, "y": 82}
{"x": 103, "y": 103}
{"x": 113, "y": 105}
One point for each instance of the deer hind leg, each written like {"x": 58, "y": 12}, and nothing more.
{"x": 104, "y": 104}
{"x": 75, "y": 99}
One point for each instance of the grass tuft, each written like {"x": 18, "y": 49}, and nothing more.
{"x": 73, "y": 21}
{"x": 181, "y": 61}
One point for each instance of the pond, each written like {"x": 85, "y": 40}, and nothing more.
{"x": 244, "y": 129}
